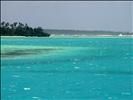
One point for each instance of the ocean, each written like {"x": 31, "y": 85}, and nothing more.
{"x": 36, "y": 68}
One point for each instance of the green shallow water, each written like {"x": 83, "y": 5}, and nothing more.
{"x": 67, "y": 68}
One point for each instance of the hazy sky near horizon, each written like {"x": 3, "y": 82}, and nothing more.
{"x": 78, "y": 15}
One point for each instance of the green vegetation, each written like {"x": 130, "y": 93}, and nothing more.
{"x": 19, "y": 29}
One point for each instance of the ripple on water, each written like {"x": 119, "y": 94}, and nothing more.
{"x": 12, "y": 86}
{"x": 76, "y": 59}
{"x": 74, "y": 63}
{"x": 27, "y": 88}
{"x": 76, "y": 67}
{"x": 110, "y": 98}
{"x": 15, "y": 76}
{"x": 28, "y": 67}
{"x": 18, "y": 67}
{"x": 125, "y": 93}
{"x": 37, "y": 98}
{"x": 90, "y": 64}
{"x": 67, "y": 92}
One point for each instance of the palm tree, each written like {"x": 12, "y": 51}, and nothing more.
{"x": 7, "y": 25}
{"x": 15, "y": 24}
{"x": 21, "y": 25}
{"x": 11, "y": 25}
{"x": 2, "y": 24}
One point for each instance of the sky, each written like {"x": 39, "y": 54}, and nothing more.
{"x": 77, "y": 15}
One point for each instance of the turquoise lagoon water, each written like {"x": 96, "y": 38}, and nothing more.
{"x": 67, "y": 68}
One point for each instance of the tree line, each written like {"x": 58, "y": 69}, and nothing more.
{"x": 20, "y": 29}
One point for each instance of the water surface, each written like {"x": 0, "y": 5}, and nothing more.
{"x": 67, "y": 68}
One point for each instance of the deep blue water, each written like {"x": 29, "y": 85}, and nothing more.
{"x": 67, "y": 69}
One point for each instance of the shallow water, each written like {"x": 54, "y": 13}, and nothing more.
{"x": 67, "y": 68}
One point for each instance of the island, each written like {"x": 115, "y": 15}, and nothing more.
{"x": 20, "y": 29}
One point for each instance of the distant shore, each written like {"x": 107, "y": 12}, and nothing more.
{"x": 89, "y": 36}
{"x": 73, "y": 36}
